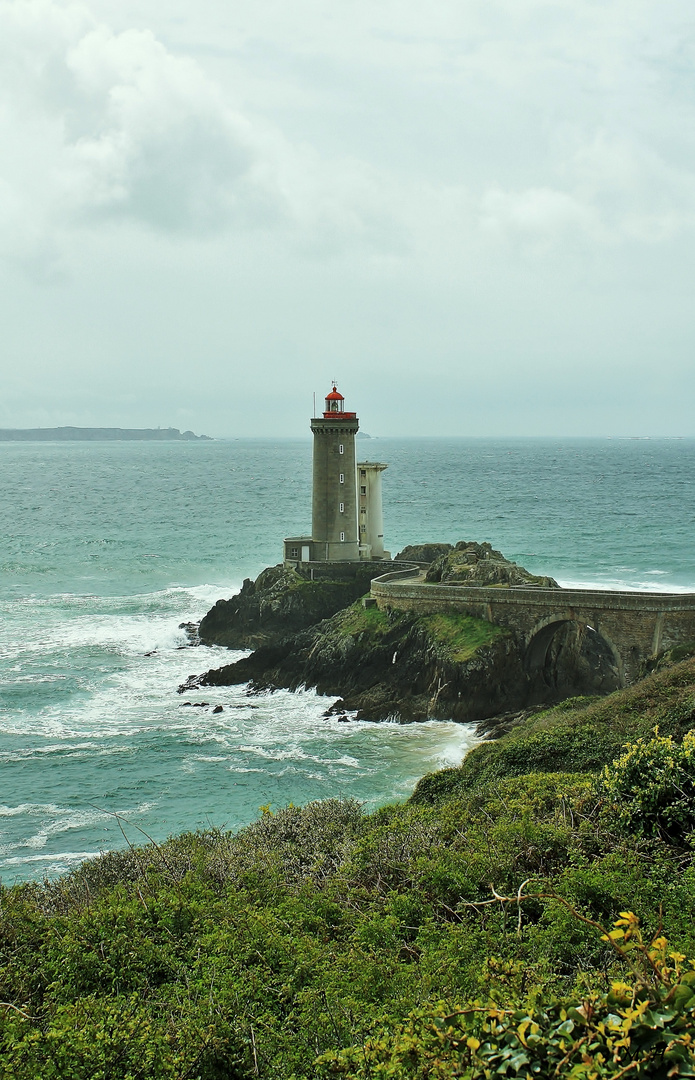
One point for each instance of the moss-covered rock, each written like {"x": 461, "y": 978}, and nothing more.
{"x": 470, "y": 563}
{"x": 423, "y": 553}
{"x": 279, "y": 603}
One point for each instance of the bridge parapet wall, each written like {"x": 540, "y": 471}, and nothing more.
{"x": 530, "y": 596}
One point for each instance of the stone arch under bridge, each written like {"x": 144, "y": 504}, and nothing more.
{"x": 630, "y": 627}
{"x": 563, "y": 650}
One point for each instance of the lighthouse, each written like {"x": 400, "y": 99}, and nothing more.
{"x": 346, "y": 513}
{"x": 333, "y": 495}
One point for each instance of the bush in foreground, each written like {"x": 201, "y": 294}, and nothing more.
{"x": 644, "y": 1027}
{"x": 651, "y": 787}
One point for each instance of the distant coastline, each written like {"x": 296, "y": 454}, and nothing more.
{"x": 89, "y": 434}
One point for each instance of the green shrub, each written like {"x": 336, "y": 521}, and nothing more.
{"x": 651, "y": 787}
{"x": 579, "y": 735}
{"x": 644, "y": 1027}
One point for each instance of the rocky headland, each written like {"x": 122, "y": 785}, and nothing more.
{"x": 279, "y": 604}
{"x": 88, "y": 434}
{"x": 388, "y": 664}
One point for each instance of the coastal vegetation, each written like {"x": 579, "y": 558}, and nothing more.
{"x": 454, "y": 635}
{"x": 461, "y": 634}
{"x": 529, "y": 913}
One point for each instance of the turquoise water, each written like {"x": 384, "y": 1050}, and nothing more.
{"x": 106, "y": 548}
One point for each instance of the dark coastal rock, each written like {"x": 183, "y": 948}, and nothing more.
{"x": 493, "y": 727}
{"x": 391, "y": 665}
{"x": 190, "y": 629}
{"x": 470, "y": 563}
{"x": 278, "y": 604}
{"x": 423, "y": 553}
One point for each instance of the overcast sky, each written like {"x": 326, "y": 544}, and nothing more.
{"x": 477, "y": 215}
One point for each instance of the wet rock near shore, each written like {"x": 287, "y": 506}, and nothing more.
{"x": 190, "y": 629}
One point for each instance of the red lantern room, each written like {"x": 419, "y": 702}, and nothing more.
{"x": 335, "y": 408}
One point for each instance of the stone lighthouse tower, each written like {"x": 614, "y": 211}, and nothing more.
{"x": 334, "y": 495}
{"x": 346, "y": 516}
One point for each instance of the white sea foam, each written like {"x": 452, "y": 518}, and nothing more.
{"x": 627, "y": 584}
{"x": 132, "y": 625}
{"x": 55, "y": 822}
{"x": 67, "y": 858}
{"x": 29, "y": 808}
{"x": 134, "y": 714}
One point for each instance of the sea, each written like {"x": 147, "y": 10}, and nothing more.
{"x": 106, "y": 548}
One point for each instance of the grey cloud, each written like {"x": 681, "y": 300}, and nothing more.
{"x": 161, "y": 146}
{"x": 129, "y": 130}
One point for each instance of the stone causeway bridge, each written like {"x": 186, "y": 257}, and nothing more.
{"x": 635, "y": 626}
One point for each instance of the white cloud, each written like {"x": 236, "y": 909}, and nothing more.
{"x": 98, "y": 124}
{"x": 640, "y": 193}
{"x": 152, "y": 140}
{"x": 101, "y": 126}
{"x": 540, "y": 214}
